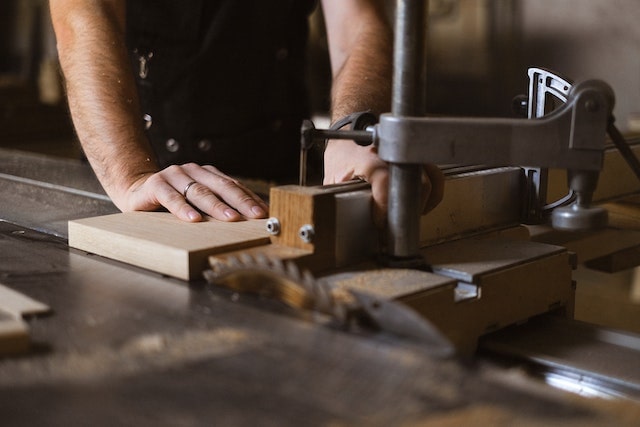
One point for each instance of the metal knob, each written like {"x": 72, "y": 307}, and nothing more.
{"x": 579, "y": 218}
{"x": 580, "y": 215}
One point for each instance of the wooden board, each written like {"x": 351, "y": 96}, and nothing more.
{"x": 19, "y": 305}
{"x": 14, "y": 335}
{"x": 160, "y": 242}
{"x": 14, "y": 332}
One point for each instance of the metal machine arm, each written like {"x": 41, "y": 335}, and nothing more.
{"x": 571, "y": 137}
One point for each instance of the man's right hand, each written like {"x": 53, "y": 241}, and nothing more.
{"x": 208, "y": 191}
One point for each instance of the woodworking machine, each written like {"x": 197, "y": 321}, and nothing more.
{"x": 326, "y": 228}
{"x": 466, "y": 285}
{"x": 316, "y": 301}
{"x": 465, "y": 274}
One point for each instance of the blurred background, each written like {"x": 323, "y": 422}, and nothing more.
{"x": 479, "y": 52}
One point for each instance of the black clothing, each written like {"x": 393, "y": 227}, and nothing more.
{"x": 222, "y": 81}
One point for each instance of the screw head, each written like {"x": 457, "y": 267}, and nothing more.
{"x": 204, "y": 145}
{"x": 306, "y": 233}
{"x": 172, "y": 145}
{"x": 273, "y": 226}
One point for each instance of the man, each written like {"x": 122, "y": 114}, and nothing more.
{"x": 207, "y": 70}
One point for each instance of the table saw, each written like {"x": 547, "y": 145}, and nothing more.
{"x": 312, "y": 316}
{"x": 124, "y": 344}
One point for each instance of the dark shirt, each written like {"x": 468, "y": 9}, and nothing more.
{"x": 222, "y": 81}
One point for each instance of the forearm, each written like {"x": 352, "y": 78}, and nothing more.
{"x": 101, "y": 92}
{"x": 361, "y": 57}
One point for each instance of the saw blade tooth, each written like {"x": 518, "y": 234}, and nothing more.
{"x": 210, "y": 275}
{"x": 278, "y": 265}
{"x": 311, "y": 285}
{"x": 293, "y": 271}
{"x": 326, "y": 301}
{"x": 246, "y": 259}
{"x": 262, "y": 260}
{"x": 308, "y": 279}
{"x": 233, "y": 262}
{"x": 216, "y": 267}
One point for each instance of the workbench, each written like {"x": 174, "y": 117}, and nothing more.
{"x": 125, "y": 346}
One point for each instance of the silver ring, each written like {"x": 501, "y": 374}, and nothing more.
{"x": 184, "y": 192}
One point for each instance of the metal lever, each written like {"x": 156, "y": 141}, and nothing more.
{"x": 310, "y": 136}
{"x": 571, "y": 137}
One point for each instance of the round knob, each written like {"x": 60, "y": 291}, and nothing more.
{"x": 579, "y": 218}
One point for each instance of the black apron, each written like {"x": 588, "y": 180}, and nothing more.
{"x": 221, "y": 82}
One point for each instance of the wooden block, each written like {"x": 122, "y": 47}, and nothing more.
{"x": 507, "y": 287}
{"x": 392, "y": 283}
{"x": 14, "y": 335}
{"x": 296, "y": 207}
{"x": 19, "y": 305}
{"x": 624, "y": 214}
{"x": 616, "y": 178}
{"x": 160, "y": 242}
{"x": 588, "y": 245}
{"x": 339, "y": 217}
{"x": 14, "y": 332}
{"x": 617, "y": 261}
{"x": 480, "y": 285}
{"x": 474, "y": 203}
{"x": 356, "y": 238}
{"x": 470, "y": 259}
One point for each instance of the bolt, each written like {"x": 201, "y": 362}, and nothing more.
{"x": 273, "y": 226}
{"x": 204, "y": 145}
{"x": 148, "y": 121}
{"x": 172, "y": 145}
{"x": 306, "y": 233}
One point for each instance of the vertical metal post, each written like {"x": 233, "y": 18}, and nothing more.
{"x": 409, "y": 81}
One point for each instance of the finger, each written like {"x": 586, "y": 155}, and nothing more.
{"x": 215, "y": 188}
{"x": 254, "y": 197}
{"x": 436, "y": 193}
{"x": 202, "y": 197}
{"x": 379, "y": 180}
{"x": 165, "y": 194}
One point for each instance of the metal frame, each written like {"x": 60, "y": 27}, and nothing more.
{"x": 572, "y": 137}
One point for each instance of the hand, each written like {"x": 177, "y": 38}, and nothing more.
{"x": 345, "y": 160}
{"x": 212, "y": 193}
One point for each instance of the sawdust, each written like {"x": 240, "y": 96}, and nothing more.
{"x": 388, "y": 283}
{"x": 138, "y": 355}
{"x": 496, "y": 416}
{"x": 627, "y": 412}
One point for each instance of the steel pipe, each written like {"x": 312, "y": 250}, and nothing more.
{"x": 409, "y": 81}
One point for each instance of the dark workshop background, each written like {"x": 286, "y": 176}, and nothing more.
{"x": 479, "y": 51}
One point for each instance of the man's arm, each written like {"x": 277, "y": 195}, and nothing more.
{"x": 360, "y": 47}
{"x": 106, "y": 115}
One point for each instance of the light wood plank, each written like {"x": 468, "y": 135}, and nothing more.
{"x": 14, "y": 335}
{"x": 14, "y": 332}
{"x": 19, "y": 305}
{"x": 160, "y": 242}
